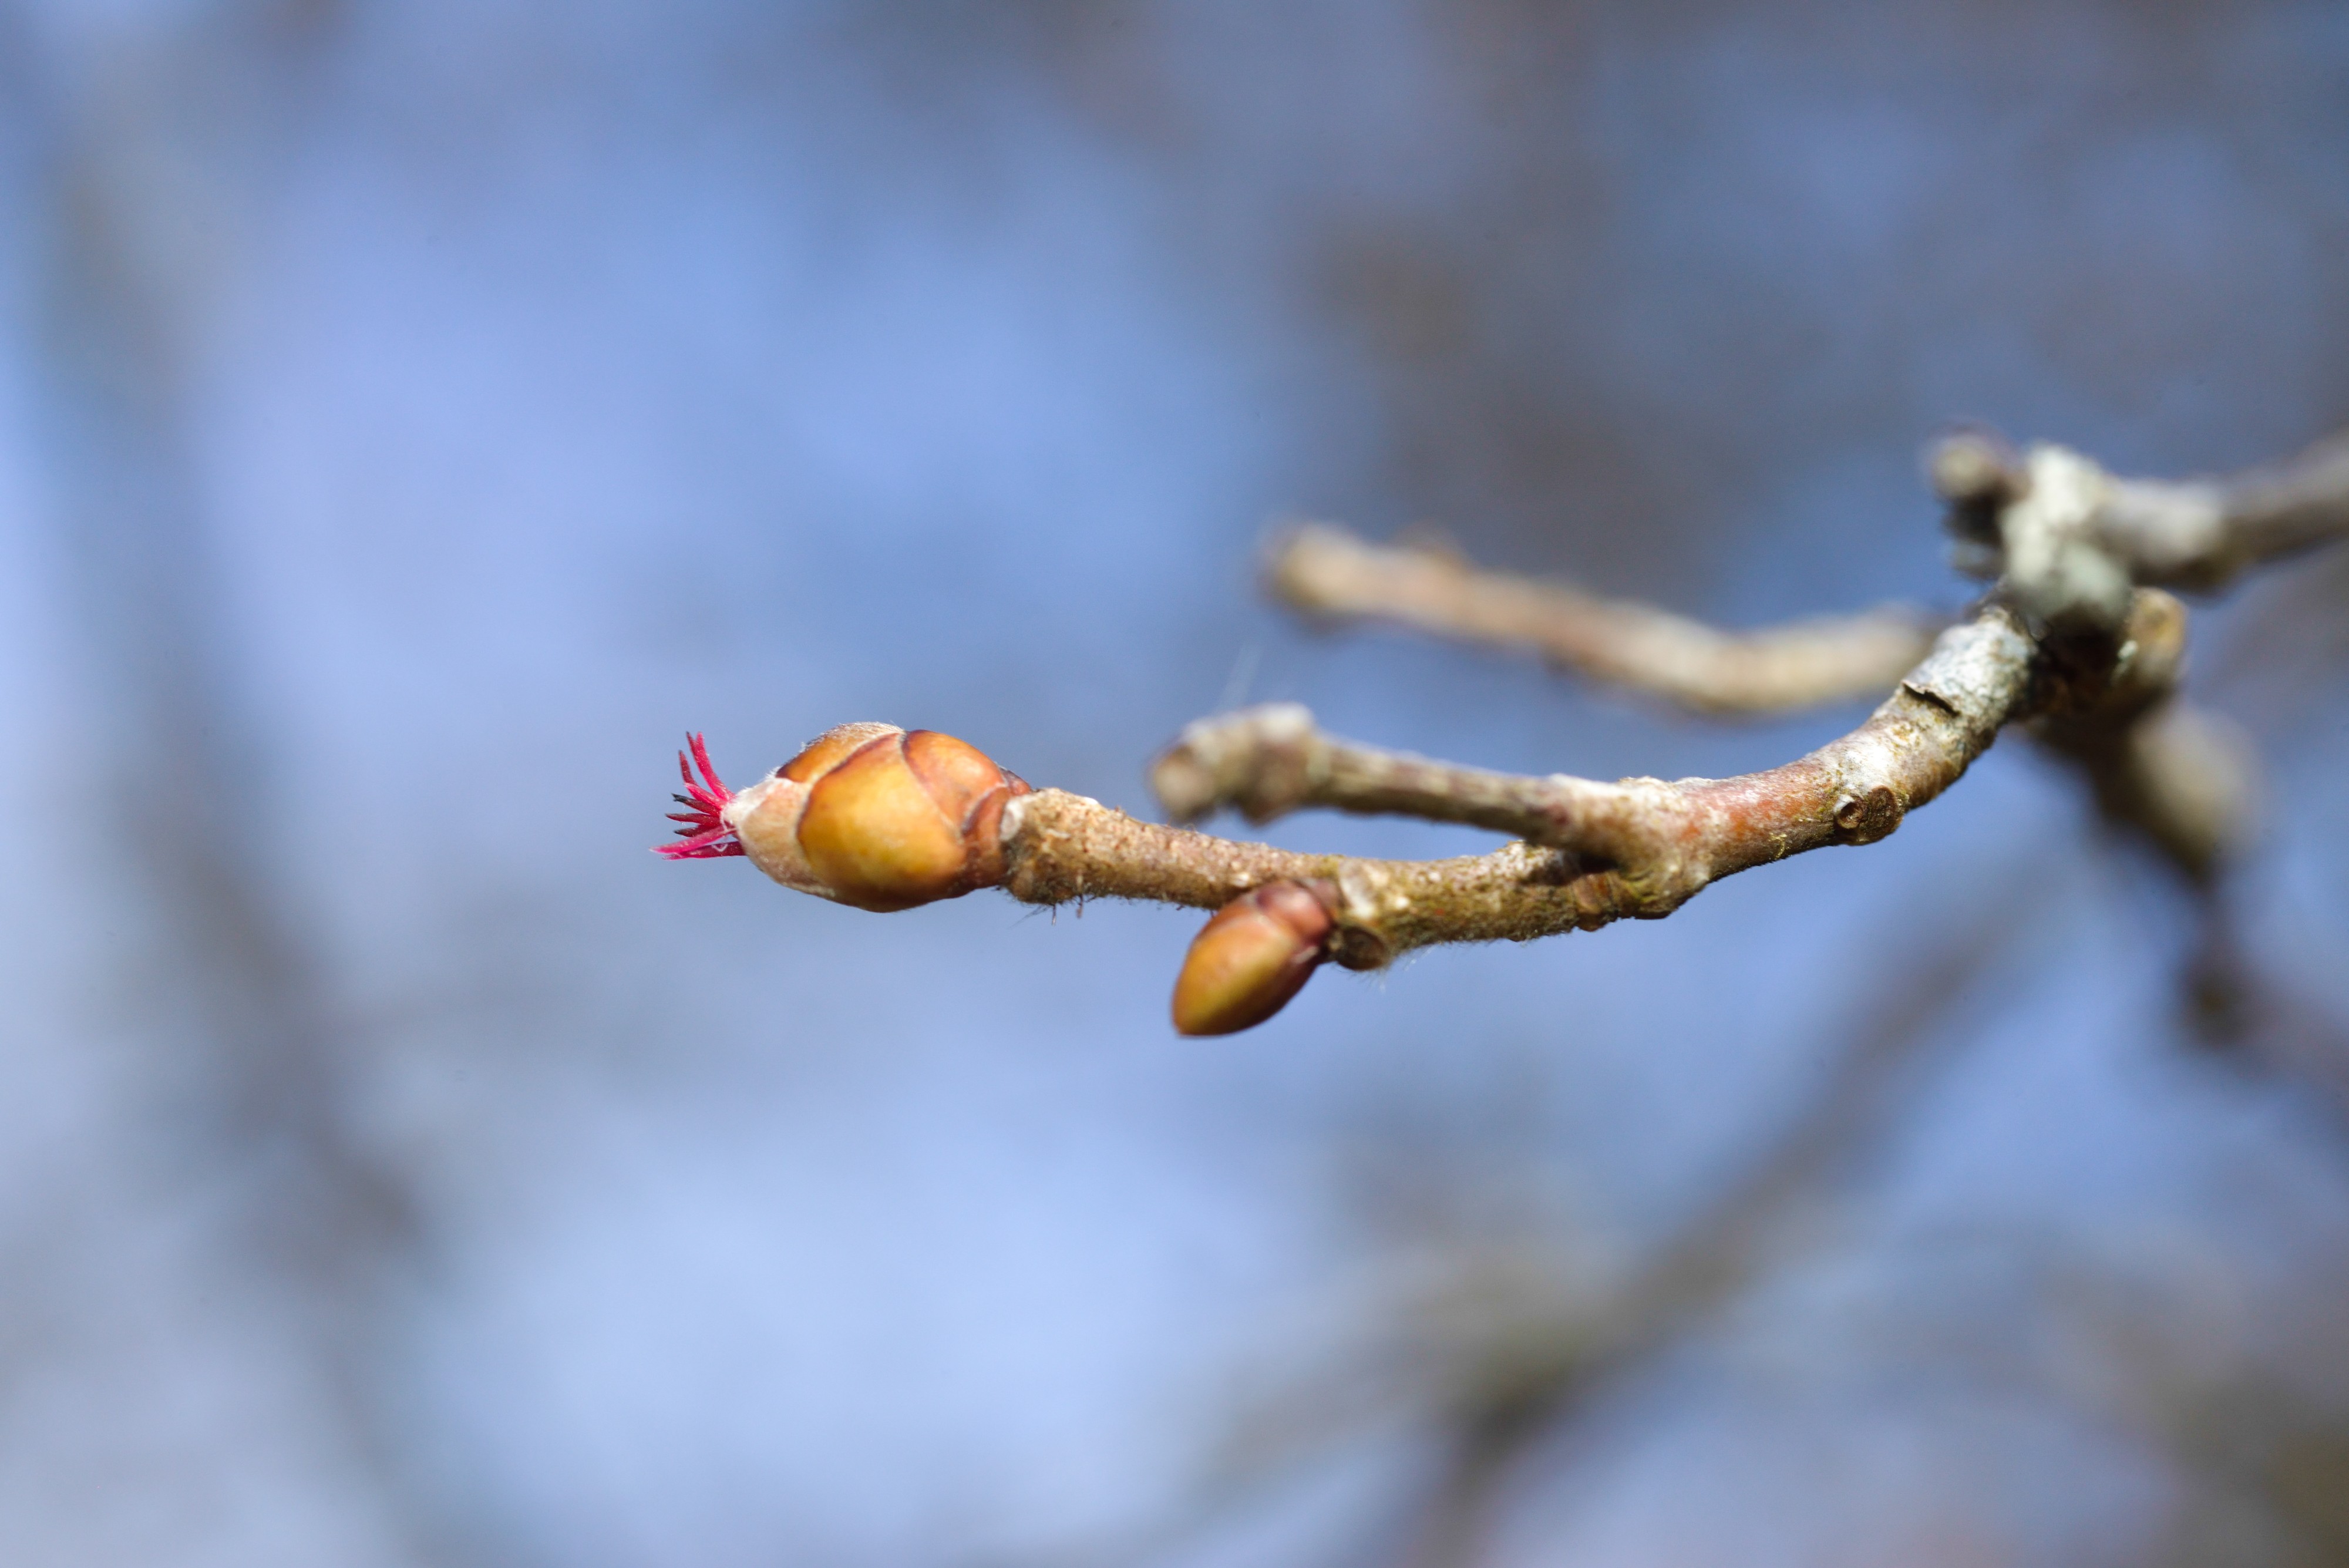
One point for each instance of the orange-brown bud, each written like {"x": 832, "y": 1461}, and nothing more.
{"x": 879, "y": 818}
{"x": 1244, "y": 964}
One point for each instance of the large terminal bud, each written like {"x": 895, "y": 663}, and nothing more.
{"x": 870, "y": 815}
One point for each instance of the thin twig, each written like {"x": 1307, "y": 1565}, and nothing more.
{"x": 1327, "y": 572}
{"x": 2195, "y": 535}
{"x": 1593, "y": 852}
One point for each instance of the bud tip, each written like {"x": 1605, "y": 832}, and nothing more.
{"x": 702, "y": 832}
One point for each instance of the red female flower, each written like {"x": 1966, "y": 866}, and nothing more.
{"x": 704, "y": 834}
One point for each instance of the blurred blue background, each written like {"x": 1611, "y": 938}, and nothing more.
{"x": 413, "y": 417}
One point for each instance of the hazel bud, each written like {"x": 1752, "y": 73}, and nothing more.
{"x": 879, "y": 818}
{"x": 1244, "y": 964}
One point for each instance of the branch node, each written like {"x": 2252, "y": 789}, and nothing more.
{"x": 2059, "y": 573}
{"x": 1974, "y": 466}
{"x": 1259, "y": 761}
{"x": 1865, "y": 817}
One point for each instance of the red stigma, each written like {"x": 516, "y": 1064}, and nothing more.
{"x": 703, "y": 835}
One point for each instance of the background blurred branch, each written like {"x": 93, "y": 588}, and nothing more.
{"x": 150, "y": 160}
{"x": 1501, "y": 1356}
{"x": 1517, "y": 1386}
{"x": 1326, "y": 572}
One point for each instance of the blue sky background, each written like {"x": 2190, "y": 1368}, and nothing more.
{"x": 412, "y": 419}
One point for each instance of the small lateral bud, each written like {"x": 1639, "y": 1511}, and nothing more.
{"x": 1244, "y": 964}
{"x": 879, "y": 818}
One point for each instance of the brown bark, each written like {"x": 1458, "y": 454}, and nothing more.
{"x": 1324, "y": 571}
{"x": 1589, "y": 853}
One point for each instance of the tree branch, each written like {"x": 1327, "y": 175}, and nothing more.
{"x": 881, "y": 818}
{"x": 2195, "y": 535}
{"x": 1326, "y": 571}
{"x": 2168, "y": 773}
{"x": 1593, "y": 852}
{"x": 2175, "y": 777}
{"x": 872, "y": 815}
